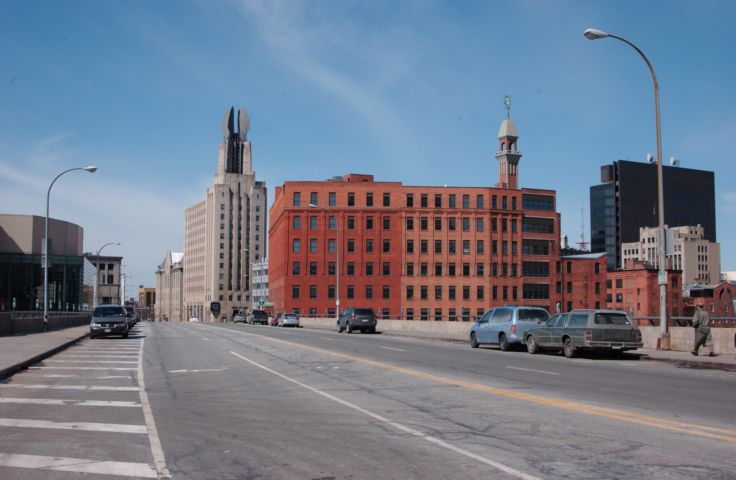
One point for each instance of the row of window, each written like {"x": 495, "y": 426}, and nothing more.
{"x": 505, "y": 225}
{"x": 349, "y": 290}
{"x": 529, "y": 201}
{"x": 529, "y": 291}
{"x": 452, "y": 271}
{"x": 480, "y": 292}
{"x": 296, "y": 246}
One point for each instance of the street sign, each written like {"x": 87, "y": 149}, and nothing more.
{"x": 662, "y": 277}
{"x": 215, "y": 308}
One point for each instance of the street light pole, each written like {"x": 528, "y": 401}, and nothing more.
{"x": 664, "y": 336}
{"x": 97, "y": 269}
{"x": 90, "y": 169}
{"x": 337, "y": 250}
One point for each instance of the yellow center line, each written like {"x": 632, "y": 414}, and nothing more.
{"x": 577, "y": 407}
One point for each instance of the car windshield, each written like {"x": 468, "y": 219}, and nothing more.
{"x": 363, "y": 311}
{"x": 534, "y": 315}
{"x": 611, "y": 319}
{"x": 109, "y": 312}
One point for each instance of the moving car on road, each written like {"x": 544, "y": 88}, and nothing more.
{"x": 275, "y": 319}
{"x": 258, "y": 316}
{"x": 505, "y": 326}
{"x": 608, "y": 330}
{"x": 108, "y": 320}
{"x": 289, "y": 320}
{"x": 352, "y": 318}
{"x": 132, "y": 316}
{"x": 238, "y": 318}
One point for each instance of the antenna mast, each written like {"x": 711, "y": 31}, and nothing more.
{"x": 582, "y": 244}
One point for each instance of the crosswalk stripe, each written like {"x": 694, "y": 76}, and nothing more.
{"x": 78, "y": 465}
{"x": 100, "y": 388}
{"x": 89, "y": 361}
{"x": 83, "y": 368}
{"x": 85, "y": 426}
{"x": 98, "y": 356}
{"x": 58, "y": 401}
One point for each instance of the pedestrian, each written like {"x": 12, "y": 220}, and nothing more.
{"x": 701, "y": 323}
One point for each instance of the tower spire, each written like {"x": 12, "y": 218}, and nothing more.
{"x": 508, "y": 155}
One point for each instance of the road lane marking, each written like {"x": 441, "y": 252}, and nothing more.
{"x": 77, "y": 465}
{"x": 390, "y": 348}
{"x": 625, "y": 416}
{"x": 199, "y": 370}
{"x": 99, "y": 388}
{"x": 532, "y": 370}
{"x": 81, "y": 368}
{"x": 85, "y": 426}
{"x": 80, "y": 403}
{"x": 89, "y": 361}
{"x": 157, "y": 450}
{"x": 98, "y": 356}
{"x": 398, "y": 426}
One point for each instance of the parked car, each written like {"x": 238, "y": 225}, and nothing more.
{"x": 506, "y": 326}
{"x": 108, "y": 320}
{"x": 238, "y": 318}
{"x": 275, "y": 319}
{"x": 609, "y": 330}
{"x": 289, "y": 320}
{"x": 352, "y": 318}
{"x": 258, "y": 316}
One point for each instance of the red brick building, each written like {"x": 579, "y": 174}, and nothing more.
{"x": 636, "y": 290}
{"x": 583, "y": 281}
{"x": 717, "y": 299}
{"x": 431, "y": 253}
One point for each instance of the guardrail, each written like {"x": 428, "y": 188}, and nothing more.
{"x": 716, "y": 322}
{"x": 19, "y": 323}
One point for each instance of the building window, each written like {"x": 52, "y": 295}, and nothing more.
{"x": 369, "y": 246}
{"x": 295, "y": 292}
{"x": 386, "y": 199}
{"x": 619, "y": 283}
{"x": 466, "y": 269}
{"x": 466, "y": 224}
{"x": 452, "y": 247}
{"x": 438, "y": 223}
{"x": 438, "y": 246}
{"x": 452, "y": 201}
{"x": 480, "y": 292}
{"x": 369, "y": 199}
{"x": 451, "y": 272}
{"x": 479, "y": 201}
{"x": 437, "y": 269}
{"x": 351, "y": 222}
{"x": 369, "y": 223}
{"x": 494, "y": 290}
{"x": 423, "y": 246}
{"x": 386, "y": 245}
{"x": 313, "y": 223}
{"x": 387, "y": 223}
{"x": 297, "y": 199}
{"x": 494, "y": 202}
{"x": 437, "y": 314}
{"x": 451, "y": 292}
{"x": 331, "y": 222}
{"x": 351, "y": 199}
{"x": 313, "y": 291}
{"x": 513, "y": 203}
{"x": 295, "y": 246}
{"x": 410, "y": 246}
{"x": 505, "y": 290}
{"x": 410, "y": 200}
{"x": 504, "y": 204}
{"x": 479, "y": 270}
{"x": 438, "y": 292}
{"x": 452, "y": 224}
{"x": 410, "y": 269}
{"x": 466, "y": 201}
{"x": 330, "y": 291}
{"x": 332, "y": 199}
{"x": 331, "y": 245}
{"x": 351, "y": 291}
{"x": 351, "y": 245}
{"x": 569, "y": 287}
{"x": 296, "y": 268}
{"x": 386, "y": 292}
{"x": 466, "y": 292}
{"x": 437, "y": 200}
{"x": 424, "y": 200}
{"x": 313, "y": 268}
{"x": 312, "y": 245}
{"x": 331, "y": 268}
{"x": 410, "y": 314}
{"x": 409, "y": 292}
{"x": 423, "y": 292}
{"x": 313, "y": 198}
{"x": 386, "y": 268}
{"x": 297, "y": 223}
{"x": 423, "y": 269}
{"x": 369, "y": 291}
{"x": 410, "y": 223}
{"x": 351, "y": 269}
{"x": 369, "y": 268}
{"x": 480, "y": 247}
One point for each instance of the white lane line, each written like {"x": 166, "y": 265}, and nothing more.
{"x": 86, "y": 426}
{"x": 398, "y": 426}
{"x": 99, "y": 356}
{"x": 78, "y": 465}
{"x": 80, "y": 403}
{"x": 157, "y": 450}
{"x": 98, "y": 388}
{"x": 532, "y": 370}
{"x": 59, "y": 376}
{"x": 394, "y": 349}
{"x": 89, "y": 361}
{"x": 82, "y": 368}
{"x": 184, "y": 370}
{"x": 205, "y": 339}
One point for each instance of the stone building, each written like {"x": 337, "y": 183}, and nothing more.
{"x": 686, "y": 249}
{"x": 169, "y": 295}
{"x": 226, "y": 232}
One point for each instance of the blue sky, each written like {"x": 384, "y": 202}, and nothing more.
{"x": 409, "y": 91}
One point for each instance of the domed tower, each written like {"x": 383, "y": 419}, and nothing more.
{"x": 508, "y": 155}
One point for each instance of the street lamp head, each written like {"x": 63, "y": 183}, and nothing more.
{"x": 90, "y": 168}
{"x": 595, "y": 34}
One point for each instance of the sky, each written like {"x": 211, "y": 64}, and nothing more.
{"x": 409, "y": 91}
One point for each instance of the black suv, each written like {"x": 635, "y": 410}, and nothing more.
{"x": 352, "y": 318}
{"x": 258, "y": 316}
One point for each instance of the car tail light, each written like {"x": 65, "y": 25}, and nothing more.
{"x": 352, "y": 317}
{"x": 638, "y": 335}
{"x": 512, "y": 329}
{"x": 588, "y": 335}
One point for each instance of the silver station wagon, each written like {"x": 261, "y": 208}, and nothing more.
{"x": 506, "y": 326}
{"x": 582, "y": 330}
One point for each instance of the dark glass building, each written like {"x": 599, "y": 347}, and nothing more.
{"x": 626, "y": 200}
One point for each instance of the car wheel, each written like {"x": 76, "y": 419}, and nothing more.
{"x": 348, "y": 328}
{"x": 372, "y": 330}
{"x": 531, "y": 345}
{"x": 503, "y": 343}
{"x": 339, "y": 328}
{"x": 568, "y": 348}
{"x": 125, "y": 335}
{"x": 473, "y": 341}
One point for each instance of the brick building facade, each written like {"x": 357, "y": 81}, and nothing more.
{"x": 583, "y": 281}
{"x": 430, "y": 253}
{"x": 636, "y": 291}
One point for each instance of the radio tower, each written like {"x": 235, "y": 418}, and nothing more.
{"x": 582, "y": 244}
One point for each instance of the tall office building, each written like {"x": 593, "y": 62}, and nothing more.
{"x": 415, "y": 252}
{"x": 626, "y": 200}
{"x": 225, "y": 233}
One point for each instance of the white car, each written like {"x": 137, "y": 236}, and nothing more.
{"x": 194, "y": 319}
{"x": 289, "y": 320}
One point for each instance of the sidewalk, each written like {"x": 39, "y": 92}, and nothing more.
{"x": 19, "y": 352}
{"x": 686, "y": 359}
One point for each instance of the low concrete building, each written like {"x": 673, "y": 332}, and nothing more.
{"x": 687, "y": 250}
{"x": 170, "y": 288}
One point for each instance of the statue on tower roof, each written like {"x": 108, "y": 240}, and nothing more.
{"x": 507, "y": 104}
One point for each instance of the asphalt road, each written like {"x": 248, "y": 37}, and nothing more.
{"x": 238, "y": 402}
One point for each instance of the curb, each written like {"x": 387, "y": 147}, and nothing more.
{"x": 13, "y": 369}
{"x": 692, "y": 363}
